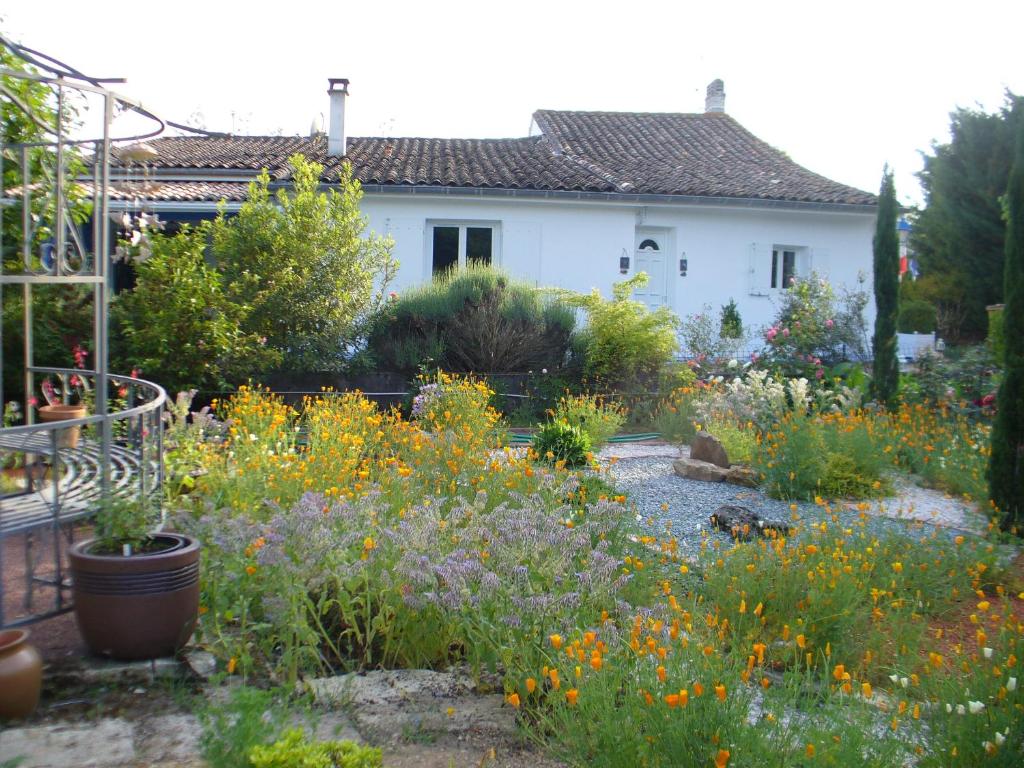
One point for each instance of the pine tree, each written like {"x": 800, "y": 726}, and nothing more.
{"x": 886, "y": 267}
{"x": 1006, "y": 463}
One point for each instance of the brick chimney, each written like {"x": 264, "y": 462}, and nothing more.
{"x": 715, "y": 100}
{"x": 336, "y": 136}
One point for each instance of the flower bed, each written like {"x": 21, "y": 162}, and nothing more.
{"x": 344, "y": 537}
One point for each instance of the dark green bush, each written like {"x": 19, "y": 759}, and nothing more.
{"x": 558, "y": 441}
{"x": 730, "y": 322}
{"x": 476, "y": 319}
{"x": 916, "y": 317}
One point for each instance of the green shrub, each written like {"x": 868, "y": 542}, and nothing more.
{"x": 739, "y": 441}
{"x": 475, "y": 319}
{"x": 558, "y": 441}
{"x": 624, "y": 342}
{"x": 179, "y": 326}
{"x": 293, "y": 750}
{"x": 598, "y": 418}
{"x": 730, "y": 322}
{"x": 916, "y": 317}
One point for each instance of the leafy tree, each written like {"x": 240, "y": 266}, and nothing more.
{"x": 886, "y": 372}
{"x": 178, "y": 326}
{"x": 623, "y": 340}
{"x": 1006, "y": 463}
{"x": 959, "y": 236}
{"x": 298, "y": 260}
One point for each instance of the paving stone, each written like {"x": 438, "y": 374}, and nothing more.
{"x": 168, "y": 738}
{"x": 202, "y": 663}
{"x": 108, "y": 742}
{"x": 414, "y": 705}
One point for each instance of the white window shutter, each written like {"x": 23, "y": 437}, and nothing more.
{"x": 759, "y": 272}
{"x": 804, "y": 263}
{"x": 818, "y": 262}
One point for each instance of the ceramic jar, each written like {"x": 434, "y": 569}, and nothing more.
{"x": 21, "y": 674}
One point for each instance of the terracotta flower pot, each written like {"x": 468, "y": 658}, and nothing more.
{"x": 21, "y": 674}
{"x": 138, "y": 607}
{"x": 66, "y": 438}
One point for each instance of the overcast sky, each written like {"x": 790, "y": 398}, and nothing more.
{"x": 842, "y": 88}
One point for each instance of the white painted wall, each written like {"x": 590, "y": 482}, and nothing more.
{"x": 577, "y": 244}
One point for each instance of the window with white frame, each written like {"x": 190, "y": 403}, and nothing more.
{"x": 453, "y": 244}
{"x": 788, "y": 262}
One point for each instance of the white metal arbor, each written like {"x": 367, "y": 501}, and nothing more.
{"x": 41, "y": 246}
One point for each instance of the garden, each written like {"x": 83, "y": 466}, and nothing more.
{"x": 495, "y": 521}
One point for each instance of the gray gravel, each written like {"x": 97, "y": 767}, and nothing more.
{"x": 645, "y": 474}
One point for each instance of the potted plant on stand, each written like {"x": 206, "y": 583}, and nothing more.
{"x": 57, "y": 410}
{"x": 136, "y": 592}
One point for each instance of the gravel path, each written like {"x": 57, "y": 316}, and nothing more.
{"x": 644, "y": 472}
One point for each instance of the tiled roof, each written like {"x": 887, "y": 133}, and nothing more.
{"x": 702, "y": 155}
{"x": 179, "y": 191}
{"x": 708, "y": 155}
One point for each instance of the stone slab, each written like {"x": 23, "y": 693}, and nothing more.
{"x": 168, "y": 738}
{"x": 108, "y": 742}
{"x": 694, "y": 469}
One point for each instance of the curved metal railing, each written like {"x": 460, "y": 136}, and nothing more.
{"x": 64, "y": 480}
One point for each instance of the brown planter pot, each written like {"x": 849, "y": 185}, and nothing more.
{"x": 139, "y": 607}
{"x": 21, "y": 674}
{"x": 66, "y": 438}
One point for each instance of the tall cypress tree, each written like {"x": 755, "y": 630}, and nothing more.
{"x": 887, "y": 268}
{"x": 1006, "y": 463}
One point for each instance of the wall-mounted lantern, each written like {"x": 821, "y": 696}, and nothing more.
{"x": 683, "y": 265}
{"x": 624, "y": 262}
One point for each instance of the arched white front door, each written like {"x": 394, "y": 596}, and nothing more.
{"x": 650, "y": 256}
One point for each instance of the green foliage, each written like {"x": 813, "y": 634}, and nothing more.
{"x": 739, "y": 440}
{"x": 179, "y": 326}
{"x": 299, "y": 262}
{"x": 248, "y": 718}
{"x": 885, "y": 371}
{"x": 730, "y": 322}
{"x": 996, "y": 338}
{"x": 676, "y": 414}
{"x": 1006, "y": 467}
{"x": 623, "y": 340}
{"x": 831, "y": 456}
{"x": 557, "y": 441}
{"x": 474, "y": 319}
{"x": 916, "y": 317}
{"x": 293, "y": 750}
{"x": 960, "y": 235}
{"x": 595, "y": 416}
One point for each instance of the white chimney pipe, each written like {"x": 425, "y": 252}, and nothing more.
{"x": 336, "y": 137}
{"x": 715, "y": 99}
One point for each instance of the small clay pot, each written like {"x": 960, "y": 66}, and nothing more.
{"x": 66, "y": 438}
{"x": 21, "y": 674}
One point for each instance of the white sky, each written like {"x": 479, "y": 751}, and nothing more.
{"x": 842, "y": 87}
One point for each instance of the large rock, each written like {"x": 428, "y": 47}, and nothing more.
{"x": 744, "y": 523}
{"x": 707, "y": 447}
{"x": 693, "y": 469}
{"x": 740, "y": 475}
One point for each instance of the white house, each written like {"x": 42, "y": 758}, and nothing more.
{"x": 706, "y": 209}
